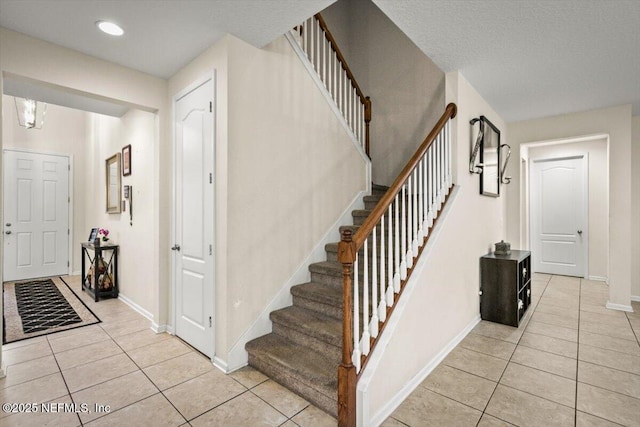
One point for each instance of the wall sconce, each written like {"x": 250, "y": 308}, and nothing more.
{"x": 30, "y": 112}
{"x": 473, "y": 167}
{"x": 505, "y": 179}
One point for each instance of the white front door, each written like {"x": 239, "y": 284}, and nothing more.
{"x": 36, "y": 215}
{"x": 559, "y": 216}
{"x": 194, "y": 217}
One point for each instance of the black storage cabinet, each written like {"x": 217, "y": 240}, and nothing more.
{"x": 505, "y": 287}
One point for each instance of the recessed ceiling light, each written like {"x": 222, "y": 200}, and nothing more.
{"x": 110, "y": 28}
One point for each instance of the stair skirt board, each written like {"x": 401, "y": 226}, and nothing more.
{"x": 238, "y": 356}
{"x": 332, "y": 104}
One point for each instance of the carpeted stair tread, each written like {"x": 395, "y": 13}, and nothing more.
{"x": 319, "y": 293}
{"x": 310, "y": 323}
{"x": 288, "y": 361}
{"x": 330, "y": 268}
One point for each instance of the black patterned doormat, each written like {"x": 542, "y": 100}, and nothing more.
{"x": 40, "y": 307}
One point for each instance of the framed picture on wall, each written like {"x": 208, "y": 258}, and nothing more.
{"x": 126, "y": 160}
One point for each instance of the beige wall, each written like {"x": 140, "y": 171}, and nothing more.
{"x": 598, "y": 182}
{"x": 615, "y": 122}
{"x": 444, "y": 300}
{"x": 48, "y": 64}
{"x": 285, "y": 171}
{"x": 635, "y": 218}
{"x": 64, "y": 132}
{"x": 106, "y": 136}
{"x": 405, "y": 86}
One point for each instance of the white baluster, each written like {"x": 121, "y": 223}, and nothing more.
{"x": 330, "y": 68}
{"x": 390, "y": 259}
{"x": 449, "y": 172}
{"x": 356, "y": 318}
{"x": 317, "y": 46}
{"x": 312, "y": 30}
{"x": 420, "y": 202}
{"x": 415, "y": 213}
{"x": 366, "y": 338}
{"x": 403, "y": 237}
{"x": 425, "y": 189}
{"x": 382, "y": 306}
{"x": 409, "y": 236}
{"x": 434, "y": 211}
{"x": 440, "y": 172}
{"x": 397, "y": 256}
{"x": 373, "y": 326}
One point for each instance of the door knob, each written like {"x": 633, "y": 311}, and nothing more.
{"x": 176, "y": 248}
{"x": 8, "y": 224}
{"x": 579, "y": 231}
{"x": 7, "y": 232}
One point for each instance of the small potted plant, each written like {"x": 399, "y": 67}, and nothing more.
{"x": 104, "y": 233}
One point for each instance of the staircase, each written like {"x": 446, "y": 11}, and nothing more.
{"x": 304, "y": 350}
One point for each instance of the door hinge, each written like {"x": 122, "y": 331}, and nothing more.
{"x": 210, "y": 107}
{"x": 210, "y": 249}
{"x": 68, "y": 231}
{"x": 67, "y": 263}
{"x": 68, "y": 167}
{"x": 210, "y": 324}
{"x": 210, "y": 178}
{"x": 69, "y": 199}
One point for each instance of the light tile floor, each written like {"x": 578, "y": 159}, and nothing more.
{"x": 572, "y": 362}
{"x": 147, "y": 379}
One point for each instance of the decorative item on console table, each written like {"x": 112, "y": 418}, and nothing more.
{"x": 100, "y": 280}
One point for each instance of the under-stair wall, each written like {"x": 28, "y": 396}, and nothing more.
{"x": 286, "y": 170}
{"x": 440, "y": 303}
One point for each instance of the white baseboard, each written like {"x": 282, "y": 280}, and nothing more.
{"x": 635, "y": 298}
{"x": 76, "y": 273}
{"x": 3, "y": 370}
{"x": 400, "y": 397}
{"x": 619, "y": 307}
{"x": 238, "y": 356}
{"x": 599, "y": 279}
{"x": 158, "y": 329}
{"x": 135, "y": 306}
{"x": 220, "y": 364}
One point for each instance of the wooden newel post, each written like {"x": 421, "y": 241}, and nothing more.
{"x": 346, "y": 371}
{"x": 367, "y": 121}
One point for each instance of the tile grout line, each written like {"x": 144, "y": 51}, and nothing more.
{"x": 575, "y": 412}
{"x": 509, "y": 361}
{"x": 64, "y": 380}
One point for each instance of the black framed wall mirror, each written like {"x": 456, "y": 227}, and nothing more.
{"x": 488, "y": 146}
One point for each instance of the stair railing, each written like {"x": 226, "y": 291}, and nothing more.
{"x": 378, "y": 259}
{"x": 321, "y": 49}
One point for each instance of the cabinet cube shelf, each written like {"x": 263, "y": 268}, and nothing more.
{"x": 505, "y": 287}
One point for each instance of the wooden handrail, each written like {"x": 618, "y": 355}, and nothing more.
{"x": 347, "y": 250}
{"x": 343, "y": 61}
{"x": 374, "y": 218}
{"x": 365, "y": 100}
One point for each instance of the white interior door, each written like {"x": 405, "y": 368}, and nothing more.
{"x": 194, "y": 217}
{"x": 36, "y": 215}
{"x": 559, "y": 217}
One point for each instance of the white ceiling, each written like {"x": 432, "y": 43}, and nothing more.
{"x": 532, "y": 58}
{"x": 528, "y": 59}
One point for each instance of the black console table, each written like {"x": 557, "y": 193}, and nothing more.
{"x": 100, "y": 280}
{"x": 505, "y": 287}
